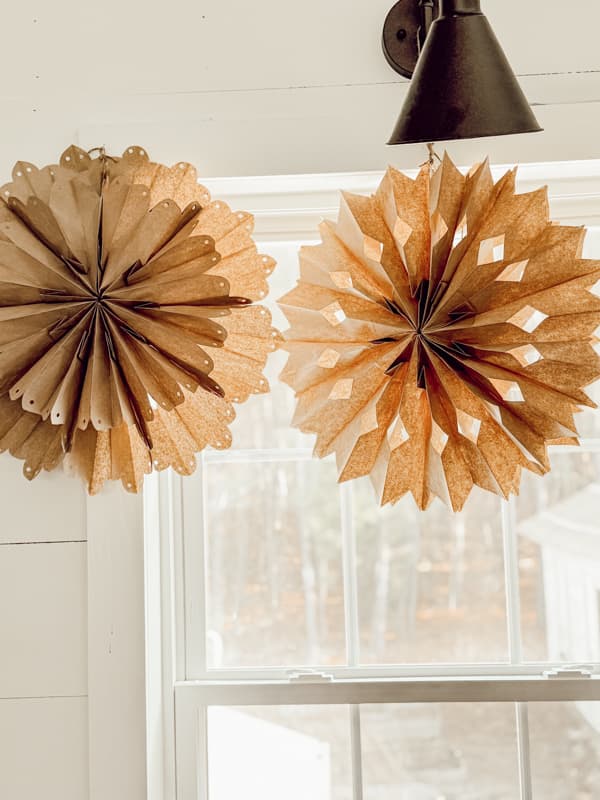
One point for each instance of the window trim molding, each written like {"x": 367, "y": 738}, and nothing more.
{"x": 118, "y": 756}
{"x": 164, "y": 626}
{"x": 291, "y": 207}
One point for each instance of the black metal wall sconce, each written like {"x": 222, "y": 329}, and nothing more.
{"x": 462, "y": 85}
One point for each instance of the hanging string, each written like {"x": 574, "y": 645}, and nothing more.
{"x": 102, "y": 154}
{"x": 432, "y": 156}
{"x": 100, "y": 150}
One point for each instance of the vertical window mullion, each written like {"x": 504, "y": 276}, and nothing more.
{"x": 515, "y": 645}
{"x": 524, "y": 751}
{"x": 356, "y": 747}
{"x": 352, "y": 627}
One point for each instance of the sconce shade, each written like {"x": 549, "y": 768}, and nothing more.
{"x": 463, "y": 86}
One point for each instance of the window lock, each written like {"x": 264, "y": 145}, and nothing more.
{"x": 568, "y": 672}
{"x": 308, "y": 676}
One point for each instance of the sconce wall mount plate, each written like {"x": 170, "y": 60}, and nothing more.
{"x": 404, "y": 32}
{"x": 463, "y": 86}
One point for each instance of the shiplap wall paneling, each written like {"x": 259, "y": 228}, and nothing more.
{"x": 313, "y": 96}
{"x": 43, "y": 620}
{"x": 43, "y": 636}
{"x": 330, "y": 128}
{"x": 49, "y": 509}
{"x": 211, "y": 45}
{"x": 44, "y": 749}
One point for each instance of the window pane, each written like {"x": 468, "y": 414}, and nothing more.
{"x": 284, "y": 753}
{"x": 559, "y": 560}
{"x": 588, "y": 422}
{"x": 440, "y": 752}
{"x": 431, "y": 584}
{"x": 274, "y": 574}
{"x": 264, "y": 421}
{"x": 565, "y": 750}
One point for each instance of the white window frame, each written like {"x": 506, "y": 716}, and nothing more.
{"x": 289, "y": 208}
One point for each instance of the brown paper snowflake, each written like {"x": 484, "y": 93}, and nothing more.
{"x": 126, "y": 324}
{"x": 441, "y": 335}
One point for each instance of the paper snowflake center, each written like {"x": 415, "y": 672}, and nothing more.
{"x": 420, "y": 327}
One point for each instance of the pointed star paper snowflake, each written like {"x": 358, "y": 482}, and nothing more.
{"x": 441, "y": 335}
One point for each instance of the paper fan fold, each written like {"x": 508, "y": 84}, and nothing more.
{"x": 441, "y": 335}
{"x": 127, "y": 324}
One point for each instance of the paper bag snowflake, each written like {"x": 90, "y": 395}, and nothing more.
{"x": 126, "y": 324}
{"x": 441, "y": 335}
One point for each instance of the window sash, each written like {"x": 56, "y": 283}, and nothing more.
{"x": 353, "y": 691}
{"x": 192, "y": 530}
{"x": 192, "y": 700}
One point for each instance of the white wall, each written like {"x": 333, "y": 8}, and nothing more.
{"x": 43, "y": 637}
{"x": 270, "y": 86}
{"x": 72, "y": 672}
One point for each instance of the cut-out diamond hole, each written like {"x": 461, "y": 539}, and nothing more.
{"x": 526, "y": 355}
{"x": 372, "y": 248}
{"x": 595, "y": 289}
{"x": 397, "y": 435}
{"x": 439, "y": 438}
{"x": 491, "y": 250}
{"x": 328, "y": 358}
{"x": 334, "y": 313}
{"x": 528, "y": 319}
{"x": 402, "y": 232}
{"x": 461, "y": 232}
{"x": 368, "y": 421}
{"x": 343, "y": 280}
{"x": 468, "y": 426}
{"x": 510, "y": 391}
{"x": 342, "y": 389}
{"x": 514, "y": 272}
{"x": 438, "y": 228}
